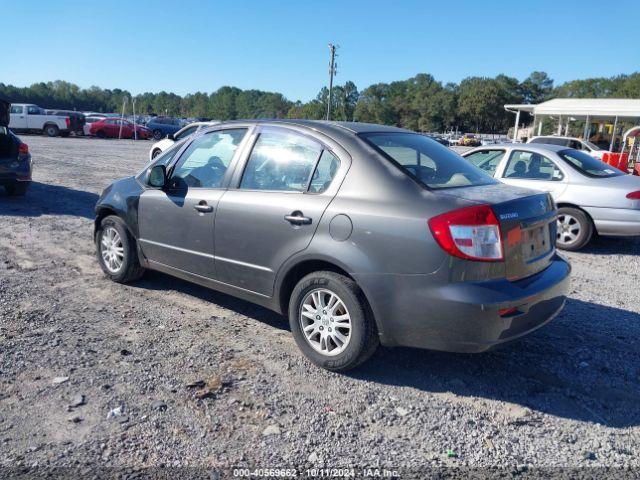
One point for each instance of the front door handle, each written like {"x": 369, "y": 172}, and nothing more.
{"x": 297, "y": 218}
{"x": 202, "y": 207}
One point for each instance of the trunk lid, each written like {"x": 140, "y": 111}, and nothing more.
{"x": 527, "y": 223}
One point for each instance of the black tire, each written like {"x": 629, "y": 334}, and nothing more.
{"x": 364, "y": 336}
{"x": 130, "y": 270}
{"x": 157, "y": 134}
{"x": 155, "y": 153}
{"x": 51, "y": 130}
{"x": 101, "y": 134}
{"x": 17, "y": 189}
{"x": 575, "y": 229}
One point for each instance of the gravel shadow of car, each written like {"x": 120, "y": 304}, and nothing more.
{"x": 584, "y": 365}
{"x": 163, "y": 282}
{"x": 613, "y": 246}
{"x": 46, "y": 199}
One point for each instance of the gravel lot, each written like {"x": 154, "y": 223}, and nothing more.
{"x": 165, "y": 373}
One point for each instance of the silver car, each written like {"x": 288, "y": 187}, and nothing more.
{"x": 363, "y": 234}
{"x": 592, "y": 196}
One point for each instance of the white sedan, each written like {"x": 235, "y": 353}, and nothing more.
{"x": 162, "y": 145}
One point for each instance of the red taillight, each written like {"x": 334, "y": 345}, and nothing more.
{"x": 634, "y": 195}
{"x": 472, "y": 233}
{"x": 67, "y": 121}
{"x": 23, "y": 149}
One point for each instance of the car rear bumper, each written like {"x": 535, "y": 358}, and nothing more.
{"x": 10, "y": 175}
{"x": 615, "y": 221}
{"x": 467, "y": 316}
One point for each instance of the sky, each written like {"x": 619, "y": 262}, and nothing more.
{"x": 187, "y": 46}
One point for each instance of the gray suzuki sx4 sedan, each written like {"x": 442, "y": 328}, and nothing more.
{"x": 363, "y": 234}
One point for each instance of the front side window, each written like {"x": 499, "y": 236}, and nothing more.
{"x": 487, "y": 160}
{"x": 205, "y": 162}
{"x": 17, "y": 109}
{"x": 434, "y": 165}
{"x": 587, "y": 165}
{"x": 186, "y": 132}
{"x": 531, "y": 166}
{"x": 33, "y": 110}
{"x": 282, "y": 161}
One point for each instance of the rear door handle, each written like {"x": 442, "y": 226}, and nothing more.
{"x": 297, "y": 218}
{"x": 202, "y": 207}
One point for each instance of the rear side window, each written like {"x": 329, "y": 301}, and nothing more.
{"x": 487, "y": 160}
{"x": 587, "y": 165}
{"x": 16, "y": 109}
{"x": 281, "y": 161}
{"x": 325, "y": 171}
{"x": 434, "y": 165}
{"x": 531, "y": 166}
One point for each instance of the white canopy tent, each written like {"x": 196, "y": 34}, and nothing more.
{"x": 571, "y": 108}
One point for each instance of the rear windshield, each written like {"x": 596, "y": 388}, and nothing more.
{"x": 424, "y": 159}
{"x": 587, "y": 165}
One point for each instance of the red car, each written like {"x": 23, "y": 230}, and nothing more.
{"x": 117, "y": 128}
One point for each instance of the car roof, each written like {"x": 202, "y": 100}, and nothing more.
{"x": 324, "y": 126}
{"x": 557, "y": 136}
{"x": 527, "y": 147}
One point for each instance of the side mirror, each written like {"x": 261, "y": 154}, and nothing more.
{"x": 171, "y": 136}
{"x": 157, "y": 176}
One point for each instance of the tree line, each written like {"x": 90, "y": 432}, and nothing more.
{"x": 418, "y": 103}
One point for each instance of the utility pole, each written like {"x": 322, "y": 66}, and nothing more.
{"x": 332, "y": 72}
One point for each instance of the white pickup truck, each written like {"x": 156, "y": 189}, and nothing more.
{"x": 29, "y": 118}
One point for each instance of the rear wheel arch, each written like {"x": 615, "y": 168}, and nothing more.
{"x": 571, "y": 205}
{"x": 300, "y": 270}
{"x": 586, "y": 235}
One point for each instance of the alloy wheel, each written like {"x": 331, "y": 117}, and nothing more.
{"x": 112, "y": 250}
{"x": 568, "y": 229}
{"x": 325, "y": 322}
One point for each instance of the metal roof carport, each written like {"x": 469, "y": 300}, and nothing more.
{"x": 589, "y": 108}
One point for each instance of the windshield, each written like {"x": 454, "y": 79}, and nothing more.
{"x": 426, "y": 160}
{"x": 587, "y": 165}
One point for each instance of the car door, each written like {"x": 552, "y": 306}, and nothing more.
{"x": 18, "y": 117}
{"x": 533, "y": 170}
{"x": 176, "y": 224}
{"x": 34, "y": 117}
{"x": 275, "y": 207}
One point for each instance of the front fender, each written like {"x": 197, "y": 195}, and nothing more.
{"x": 121, "y": 198}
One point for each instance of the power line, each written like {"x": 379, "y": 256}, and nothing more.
{"x": 332, "y": 71}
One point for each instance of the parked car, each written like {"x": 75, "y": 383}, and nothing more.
{"x": 493, "y": 141}
{"x": 160, "y": 146}
{"x": 592, "y": 196}
{"x": 571, "y": 142}
{"x": 163, "y": 126}
{"x": 15, "y": 159}
{"x": 469, "y": 140}
{"x": 361, "y": 233}
{"x": 89, "y": 120}
{"x": 76, "y": 120}
{"x": 116, "y": 128}
{"x": 29, "y": 118}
